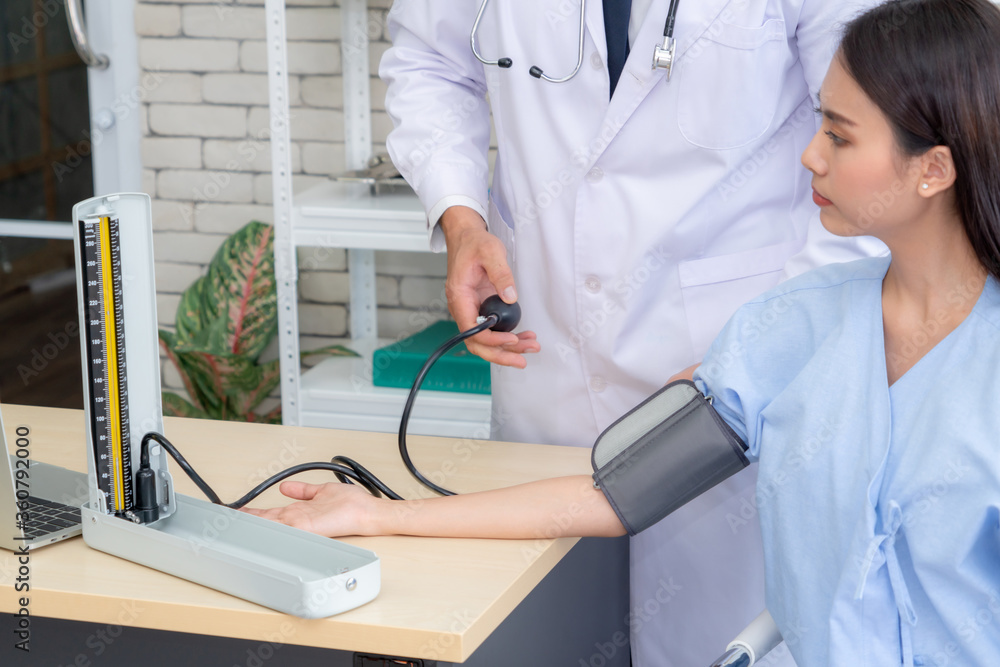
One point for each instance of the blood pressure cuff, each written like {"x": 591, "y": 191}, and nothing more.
{"x": 669, "y": 449}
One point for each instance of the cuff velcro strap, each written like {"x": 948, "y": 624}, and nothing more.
{"x": 666, "y": 451}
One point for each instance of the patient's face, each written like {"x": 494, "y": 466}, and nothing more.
{"x": 862, "y": 182}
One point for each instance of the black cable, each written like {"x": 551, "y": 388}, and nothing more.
{"x": 488, "y": 321}
{"x": 354, "y": 471}
{"x": 181, "y": 461}
{"x": 500, "y": 317}
{"x": 302, "y": 467}
{"x": 374, "y": 485}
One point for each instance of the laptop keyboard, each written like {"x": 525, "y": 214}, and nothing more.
{"x": 49, "y": 517}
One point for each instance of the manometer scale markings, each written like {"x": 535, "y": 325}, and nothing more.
{"x": 106, "y": 357}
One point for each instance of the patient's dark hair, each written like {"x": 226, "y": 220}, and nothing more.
{"x": 933, "y": 68}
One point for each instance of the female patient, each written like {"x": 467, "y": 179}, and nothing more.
{"x": 869, "y": 391}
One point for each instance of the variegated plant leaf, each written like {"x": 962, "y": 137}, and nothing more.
{"x": 203, "y": 383}
{"x": 221, "y": 381}
{"x": 265, "y": 380}
{"x": 232, "y": 309}
{"x": 168, "y": 341}
{"x": 272, "y": 417}
{"x": 331, "y": 350}
{"x": 225, "y": 319}
{"x": 175, "y": 406}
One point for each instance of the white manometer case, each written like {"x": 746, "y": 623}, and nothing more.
{"x": 274, "y": 565}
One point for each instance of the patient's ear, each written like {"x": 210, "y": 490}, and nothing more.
{"x": 686, "y": 374}
{"x": 937, "y": 171}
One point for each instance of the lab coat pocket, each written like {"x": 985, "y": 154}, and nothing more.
{"x": 729, "y": 83}
{"x": 714, "y": 287}
{"x": 500, "y": 228}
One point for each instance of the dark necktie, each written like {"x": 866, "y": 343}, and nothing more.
{"x": 616, "y": 15}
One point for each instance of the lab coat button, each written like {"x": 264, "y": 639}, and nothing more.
{"x": 598, "y": 384}
{"x": 592, "y": 284}
{"x": 595, "y": 61}
{"x": 595, "y": 175}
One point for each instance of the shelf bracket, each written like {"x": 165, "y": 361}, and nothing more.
{"x": 357, "y": 150}
{"x": 285, "y": 269}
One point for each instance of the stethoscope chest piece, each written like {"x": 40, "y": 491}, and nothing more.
{"x": 663, "y": 55}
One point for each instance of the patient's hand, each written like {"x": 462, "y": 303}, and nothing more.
{"x": 333, "y": 509}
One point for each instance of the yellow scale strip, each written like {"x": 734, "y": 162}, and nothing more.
{"x": 111, "y": 343}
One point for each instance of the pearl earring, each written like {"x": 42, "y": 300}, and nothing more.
{"x": 926, "y": 186}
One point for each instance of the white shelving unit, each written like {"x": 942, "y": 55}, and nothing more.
{"x": 338, "y": 392}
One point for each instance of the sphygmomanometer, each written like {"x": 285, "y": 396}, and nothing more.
{"x": 657, "y": 457}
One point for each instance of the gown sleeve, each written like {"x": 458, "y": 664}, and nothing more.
{"x": 724, "y": 377}
{"x": 762, "y": 348}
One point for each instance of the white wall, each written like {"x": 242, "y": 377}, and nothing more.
{"x": 206, "y": 158}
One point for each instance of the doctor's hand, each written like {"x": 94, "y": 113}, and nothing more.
{"x": 331, "y": 510}
{"x": 477, "y": 269}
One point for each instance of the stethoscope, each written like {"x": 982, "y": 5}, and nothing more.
{"x": 663, "y": 55}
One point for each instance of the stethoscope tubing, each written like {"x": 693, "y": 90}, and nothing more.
{"x": 535, "y": 71}
{"x": 666, "y": 52}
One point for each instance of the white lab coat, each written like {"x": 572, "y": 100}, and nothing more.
{"x": 634, "y": 227}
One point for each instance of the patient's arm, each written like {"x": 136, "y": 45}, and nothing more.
{"x": 558, "y": 507}
{"x": 686, "y": 374}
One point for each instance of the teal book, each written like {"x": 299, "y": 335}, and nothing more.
{"x": 397, "y": 365}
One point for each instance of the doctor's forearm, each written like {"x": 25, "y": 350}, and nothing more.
{"x": 560, "y": 507}
{"x": 458, "y": 219}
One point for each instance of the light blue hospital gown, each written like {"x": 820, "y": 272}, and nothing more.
{"x": 879, "y": 506}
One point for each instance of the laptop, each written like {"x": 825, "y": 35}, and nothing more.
{"x": 53, "y": 494}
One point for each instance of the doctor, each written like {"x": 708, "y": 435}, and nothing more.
{"x": 630, "y": 214}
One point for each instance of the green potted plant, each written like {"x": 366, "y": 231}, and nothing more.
{"x": 225, "y": 320}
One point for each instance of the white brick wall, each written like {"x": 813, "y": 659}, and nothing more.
{"x": 207, "y": 162}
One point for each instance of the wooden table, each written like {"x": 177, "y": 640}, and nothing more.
{"x": 440, "y": 598}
